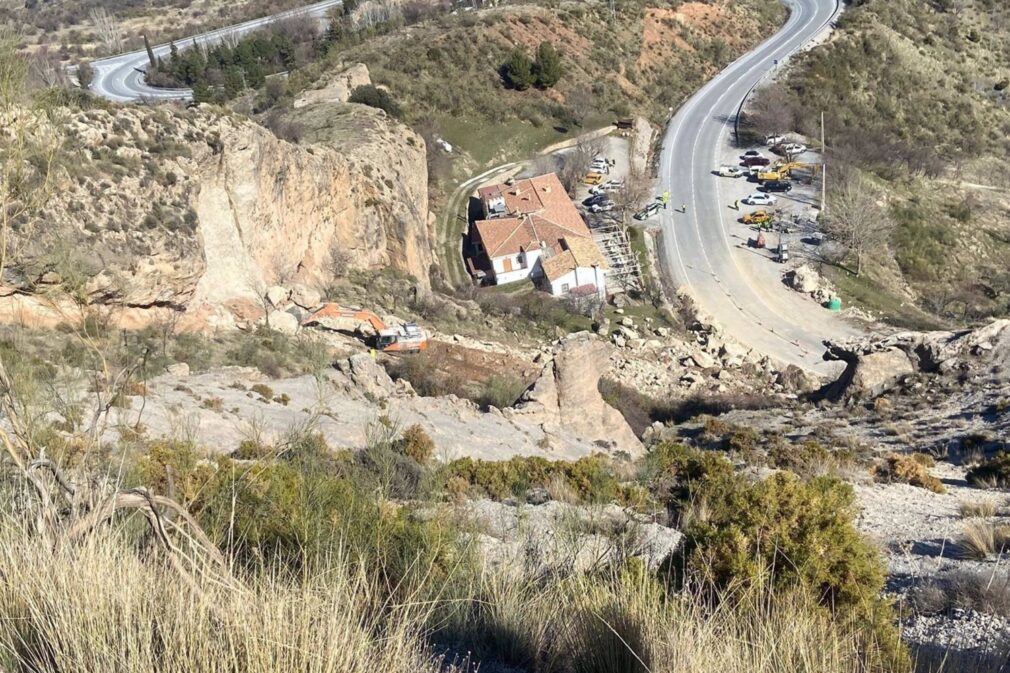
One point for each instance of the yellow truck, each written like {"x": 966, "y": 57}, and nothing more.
{"x": 593, "y": 178}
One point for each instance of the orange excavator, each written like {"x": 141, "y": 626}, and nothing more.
{"x": 405, "y": 338}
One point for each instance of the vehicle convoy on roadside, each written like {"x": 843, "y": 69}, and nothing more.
{"x": 370, "y": 328}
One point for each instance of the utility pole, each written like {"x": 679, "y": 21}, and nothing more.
{"x": 824, "y": 168}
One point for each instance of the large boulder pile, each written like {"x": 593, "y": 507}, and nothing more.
{"x": 876, "y": 364}
{"x": 806, "y": 280}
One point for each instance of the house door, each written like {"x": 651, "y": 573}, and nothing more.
{"x": 507, "y": 264}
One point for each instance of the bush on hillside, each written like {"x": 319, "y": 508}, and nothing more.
{"x": 373, "y": 96}
{"x": 909, "y": 469}
{"x": 591, "y": 479}
{"x": 416, "y": 444}
{"x": 992, "y": 472}
{"x": 518, "y": 70}
{"x": 547, "y": 68}
{"x": 781, "y": 529}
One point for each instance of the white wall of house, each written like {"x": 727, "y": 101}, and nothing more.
{"x": 522, "y": 265}
{"x": 583, "y": 275}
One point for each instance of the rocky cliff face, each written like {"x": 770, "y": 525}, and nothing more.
{"x": 193, "y": 214}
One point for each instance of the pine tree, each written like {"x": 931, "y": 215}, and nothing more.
{"x": 150, "y": 52}
{"x": 547, "y": 67}
{"x": 234, "y": 82}
{"x": 85, "y": 73}
{"x": 201, "y": 92}
{"x": 518, "y": 70}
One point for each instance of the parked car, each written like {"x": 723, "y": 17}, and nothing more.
{"x": 730, "y": 171}
{"x": 648, "y": 211}
{"x": 757, "y": 217}
{"x": 603, "y": 207}
{"x": 752, "y": 153}
{"x": 794, "y": 148}
{"x": 595, "y": 198}
{"x": 592, "y": 179}
{"x": 756, "y": 161}
{"x": 777, "y": 186}
{"x": 773, "y": 140}
{"x": 608, "y": 186}
{"x": 759, "y": 199}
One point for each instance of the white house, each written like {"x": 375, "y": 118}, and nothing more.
{"x": 578, "y": 269}
{"x": 531, "y": 229}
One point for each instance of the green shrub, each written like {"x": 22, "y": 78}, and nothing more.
{"x": 373, "y": 96}
{"x": 173, "y": 468}
{"x": 518, "y": 70}
{"x": 251, "y": 449}
{"x": 500, "y": 391}
{"x": 263, "y": 390}
{"x": 675, "y": 473}
{"x": 591, "y": 479}
{"x": 807, "y": 459}
{"x": 788, "y": 531}
{"x": 782, "y": 529}
{"x": 992, "y": 472}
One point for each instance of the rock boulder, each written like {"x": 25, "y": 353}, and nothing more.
{"x": 566, "y": 396}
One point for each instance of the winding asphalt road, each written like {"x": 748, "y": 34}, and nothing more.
{"x": 698, "y": 250}
{"x": 121, "y": 78}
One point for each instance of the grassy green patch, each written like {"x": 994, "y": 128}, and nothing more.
{"x": 866, "y": 293}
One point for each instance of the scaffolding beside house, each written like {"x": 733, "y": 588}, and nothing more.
{"x": 612, "y": 240}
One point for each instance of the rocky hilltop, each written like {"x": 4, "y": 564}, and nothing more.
{"x": 192, "y": 214}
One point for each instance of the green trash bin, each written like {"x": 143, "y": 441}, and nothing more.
{"x": 835, "y": 304}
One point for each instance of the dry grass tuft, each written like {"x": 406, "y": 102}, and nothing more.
{"x": 910, "y": 469}
{"x": 983, "y": 508}
{"x": 99, "y": 606}
{"x": 981, "y": 539}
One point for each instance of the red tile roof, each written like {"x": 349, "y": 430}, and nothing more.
{"x": 539, "y": 211}
{"x": 577, "y": 253}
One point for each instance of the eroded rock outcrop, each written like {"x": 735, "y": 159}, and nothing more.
{"x": 875, "y": 364}
{"x": 191, "y": 215}
{"x": 336, "y": 89}
{"x": 566, "y": 396}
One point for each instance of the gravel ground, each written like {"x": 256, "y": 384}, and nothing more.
{"x": 918, "y": 531}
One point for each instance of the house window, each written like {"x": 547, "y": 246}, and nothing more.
{"x": 564, "y": 288}
{"x": 507, "y": 264}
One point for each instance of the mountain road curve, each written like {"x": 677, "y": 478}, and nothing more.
{"x": 122, "y": 78}
{"x": 702, "y": 246}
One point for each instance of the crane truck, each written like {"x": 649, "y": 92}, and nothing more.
{"x": 405, "y": 338}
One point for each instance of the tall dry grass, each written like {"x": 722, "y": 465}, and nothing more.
{"x": 627, "y": 622}
{"x": 100, "y": 606}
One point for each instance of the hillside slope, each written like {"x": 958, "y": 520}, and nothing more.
{"x": 643, "y": 58}
{"x": 915, "y": 98}
{"x": 159, "y": 209}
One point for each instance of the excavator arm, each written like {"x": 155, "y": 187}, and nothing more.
{"x": 407, "y": 338}
{"x": 336, "y": 317}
